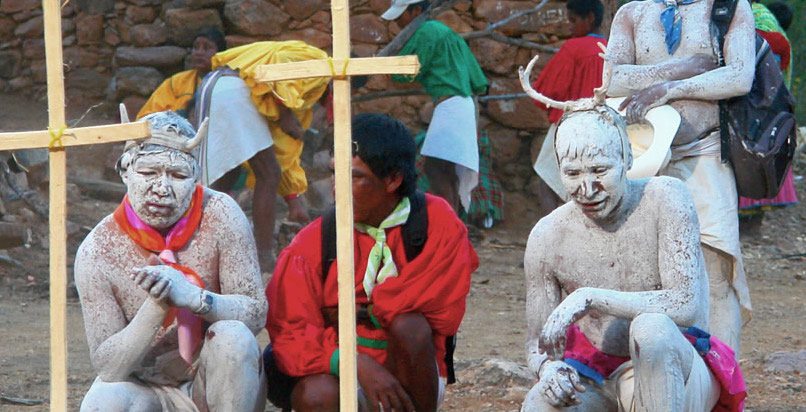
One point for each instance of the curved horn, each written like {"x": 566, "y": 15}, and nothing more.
{"x": 124, "y": 114}
{"x": 600, "y": 93}
{"x": 534, "y": 94}
{"x": 200, "y": 135}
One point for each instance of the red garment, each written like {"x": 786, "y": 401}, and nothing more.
{"x": 718, "y": 356}
{"x": 435, "y": 284}
{"x": 580, "y": 349}
{"x": 723, "y": 365}
{"x": 190, "y": 326}
{"x": 572, "y": 73}
{"x": 779, "y": 45}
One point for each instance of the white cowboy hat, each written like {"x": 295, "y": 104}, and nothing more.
{"x": 397, "y": 9}
{"x": 651, "y": 143}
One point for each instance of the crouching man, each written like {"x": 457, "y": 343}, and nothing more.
{"x": 626, "y": 256}
{"x": 410, "y": 290}
{"x": 170, "y": 287}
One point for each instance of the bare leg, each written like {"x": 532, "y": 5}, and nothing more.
{"x": 594, "y": 399}
{"x": 444, "y": 182}
{"x": 412, "y": 359}
{"x": 230, "y": 375}
{"x": 662, "y": 359}
{"x": 227, "y": 182}
{"x": 267, "y": 177}
{"x": 119, "y": 396}
{"x": 726, "y": 317}
{"x": 316, "y": 393}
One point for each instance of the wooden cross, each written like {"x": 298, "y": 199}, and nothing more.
{"x": 340, "y": 68}
{"x": 56, "y": 138}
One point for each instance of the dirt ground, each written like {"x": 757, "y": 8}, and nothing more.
{"x": 493, "y": 327}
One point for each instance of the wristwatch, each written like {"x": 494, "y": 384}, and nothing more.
{"x": 205, "y": 303}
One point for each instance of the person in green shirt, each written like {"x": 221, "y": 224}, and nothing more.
{"x": 451, "y": 75}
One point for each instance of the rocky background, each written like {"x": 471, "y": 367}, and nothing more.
{"x": 122, "y": 50}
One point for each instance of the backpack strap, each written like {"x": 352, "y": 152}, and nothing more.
{"x": 328, "y": 241}
{"x": 415, "y": 230}
{"x": 721, "y": 16}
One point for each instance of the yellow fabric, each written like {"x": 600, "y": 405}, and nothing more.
{"x": 288, "y": 151}
{"x": 173, "y": 94}
{"x": 298, "y": 95}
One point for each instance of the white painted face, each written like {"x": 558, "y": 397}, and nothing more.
{"x": 592, "y": 167}
{"x": 160, "y": 186}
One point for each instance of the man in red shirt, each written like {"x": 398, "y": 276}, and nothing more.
{"x": 409, "y": 306}
{"x": 571, "y": 74}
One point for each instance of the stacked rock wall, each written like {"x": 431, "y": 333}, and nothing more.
{"x": 121, "y": 50}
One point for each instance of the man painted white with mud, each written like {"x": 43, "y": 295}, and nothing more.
{"x": 626, "y": 255}
{"x": 170, "y": 288}
{"x": 662, "y": 52}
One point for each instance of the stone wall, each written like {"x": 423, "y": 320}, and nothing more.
{"x": 121, "y": 50}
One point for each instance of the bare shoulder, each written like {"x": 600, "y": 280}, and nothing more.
{"x": 222, "y": 212}
{"x": 668, "y": 189}
{"x": 546, "y": 231}
{"x": 631, "y": 10}
{"x": 96, "y": 248}
{"x": 673, "y": 201}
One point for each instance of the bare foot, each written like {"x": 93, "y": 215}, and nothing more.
{"x": 297, "y": 212}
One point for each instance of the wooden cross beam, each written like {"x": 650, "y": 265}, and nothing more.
{"x": 56, "y": 138}
{"x": 340, "y": 68}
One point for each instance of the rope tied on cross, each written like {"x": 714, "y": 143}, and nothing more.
{"x": 337, "y": 76}
{"x": 56, "y": 136}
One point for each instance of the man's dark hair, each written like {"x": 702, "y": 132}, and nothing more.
{"x": 214, "y": 35}
{"x": 782, "y": 13}
{"x": 423, "y": 6}
{"x": 584, "y": 7}
{"x": 386, "y": 146}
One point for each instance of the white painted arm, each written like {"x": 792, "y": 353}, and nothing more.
{"x": 691, "y": 77}
{"x": 683, "y": 291}
{"x": 543, "y": 294}
{"x": 116, "y": 348}
{"x": 733, "y": 79}
{"x": 241, "y": 295}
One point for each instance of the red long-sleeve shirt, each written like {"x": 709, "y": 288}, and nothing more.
{"x": 435, "y": 284}
{"x": 572, "y": 73}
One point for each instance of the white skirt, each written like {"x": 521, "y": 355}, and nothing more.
{"x": 237, "y": 131}
{"x": 453, "y": 136}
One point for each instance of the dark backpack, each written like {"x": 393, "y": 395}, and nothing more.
{"x": 758, "y": 129}
{"x": 414, "y": 233}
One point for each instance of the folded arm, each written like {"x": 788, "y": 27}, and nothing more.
{"x": 736, "y": 77}
{"x": 694, "y": 77}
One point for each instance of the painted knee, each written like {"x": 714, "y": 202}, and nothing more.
{"x": 117, "y": 396}
{"x": 535, "y": 402}
{"x": 316, "y": 393}
{"x": 412, "y": 335}
{"x": 650, "y": 336}
{"x": 231, "y": 343}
